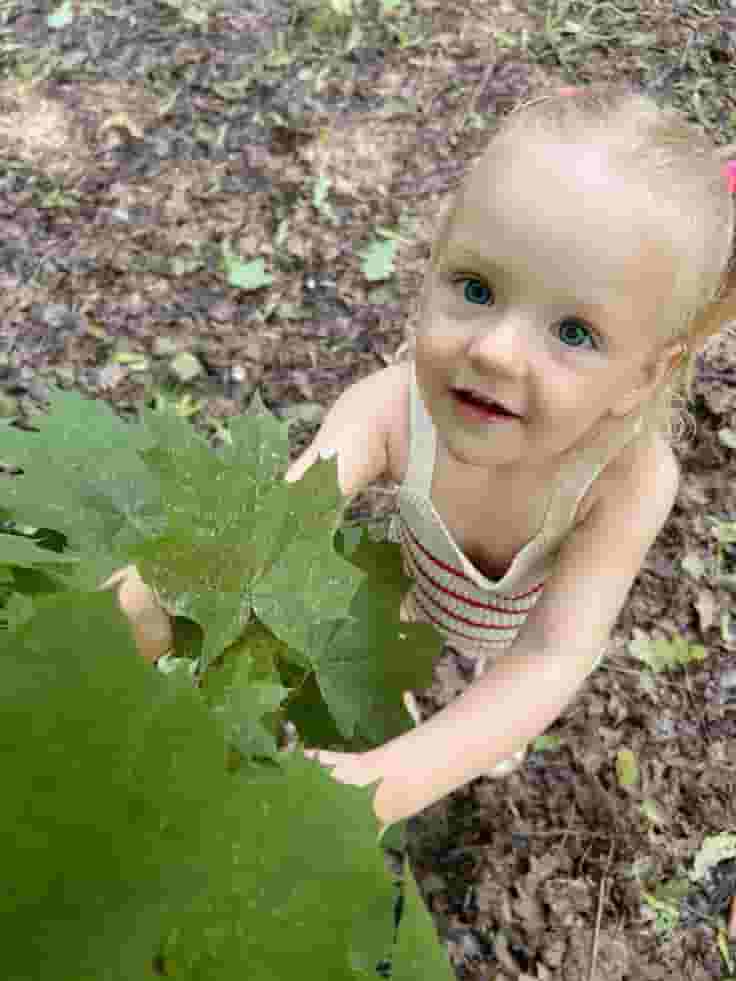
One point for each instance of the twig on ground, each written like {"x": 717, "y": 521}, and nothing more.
{"x": 601, "y": 903}
{"x": 575, "y": 832}
{"x": 570, "y": 814}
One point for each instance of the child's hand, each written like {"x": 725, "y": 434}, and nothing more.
{"x": 150, "y": 622}
{"x": 358, "y": 769}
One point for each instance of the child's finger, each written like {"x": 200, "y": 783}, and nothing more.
{"x": 151, "y": 624}
{"x": 117, "y": 577}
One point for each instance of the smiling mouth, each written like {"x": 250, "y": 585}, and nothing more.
{"x": 490, "y": 407}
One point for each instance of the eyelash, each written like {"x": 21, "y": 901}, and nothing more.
{"x": 595, "y": 342}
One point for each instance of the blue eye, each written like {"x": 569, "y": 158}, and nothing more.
{"x": 574, "y": 332}
{"x": 472, "y": 294}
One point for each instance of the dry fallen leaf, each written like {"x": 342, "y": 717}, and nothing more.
{"x": 706, "y": 607}
{"x": 120, "y": 120}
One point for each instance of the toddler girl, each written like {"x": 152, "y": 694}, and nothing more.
{"x": 582, "y": 206}
{"x": 582, "y": 263}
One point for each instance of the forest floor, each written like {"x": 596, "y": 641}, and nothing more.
{"x": 152, "y": 153}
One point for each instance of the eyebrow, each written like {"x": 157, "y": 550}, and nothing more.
{"x": 466, "y": 254}
{"x": 470, "y": 255}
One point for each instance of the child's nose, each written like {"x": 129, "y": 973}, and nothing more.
{"x": 506, "y": 342}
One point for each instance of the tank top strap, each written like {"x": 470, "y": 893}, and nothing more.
{"x": 580, "y": 469}
{"x": 422, "y": 442}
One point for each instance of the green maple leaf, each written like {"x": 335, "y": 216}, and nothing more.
{"x": 109, "y": 792}
{"x": 27, "y": 571}
{"x": 125, "y": 840}
{"x": 309, "y": 887}
{"x": 18, "y": 551}
{"x": 365, "y": 664}
{"x": 81, "y": 476}
{"x": 245, "y": 688}
{"x": 236, "y": 540}
{"x": 228, "y": 544}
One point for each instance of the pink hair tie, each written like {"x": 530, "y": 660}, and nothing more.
{"x": 729, "y": 172}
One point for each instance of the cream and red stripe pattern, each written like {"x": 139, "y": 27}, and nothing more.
{"x": 468, "y": 617}
{"x": 476, "y": 615}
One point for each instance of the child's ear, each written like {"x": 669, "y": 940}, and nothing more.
{"x": 654, "y": 373}
{"x": 669, "y": 360}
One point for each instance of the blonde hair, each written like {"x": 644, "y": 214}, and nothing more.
{"x": 681, "y": 170}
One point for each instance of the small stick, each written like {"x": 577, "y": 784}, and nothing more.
{"x": 574, "y": 832}
{"x": 596, "y": 935}
{"x": 567, "y": 828}
{"x": 491, "y": 54}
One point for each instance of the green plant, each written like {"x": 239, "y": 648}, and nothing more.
{"x": 329, "y": 17}
{"x": 207, "y": 847}
{"x": 246, "y": 276}
{"x": 666, "y": 899}
{"x": 659, "y": 654}
{"x": 665, "y": 903}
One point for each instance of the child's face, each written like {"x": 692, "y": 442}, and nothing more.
{"x": 553, "y": 312}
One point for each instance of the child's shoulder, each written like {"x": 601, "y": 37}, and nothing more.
{"x": 650, "y": 457}
{"x": 398, "y": 416}
{"x": 648, "y": 452}
{"x": 642, "y": 457}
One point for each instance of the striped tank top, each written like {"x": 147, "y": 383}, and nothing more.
{"x": 476, "y": 615}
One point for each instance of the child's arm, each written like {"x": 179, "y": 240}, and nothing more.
{"x": 526, "y": 689}
{"x": 357, "y": 426}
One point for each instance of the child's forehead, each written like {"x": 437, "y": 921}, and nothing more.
{"x": 547, "y": 155}
{"x": 561, "y": 181}
{"x": 619, "y": 270}
{"x": 536, "y": 213}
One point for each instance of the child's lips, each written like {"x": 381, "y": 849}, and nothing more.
{"x": 474, "y": 412}
{"x": 492, "y": 404}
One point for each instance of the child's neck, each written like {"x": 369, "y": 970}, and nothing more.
{"x": 514, "y": 474}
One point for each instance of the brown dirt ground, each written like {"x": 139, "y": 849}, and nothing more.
{"x": 538, "y": 876}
